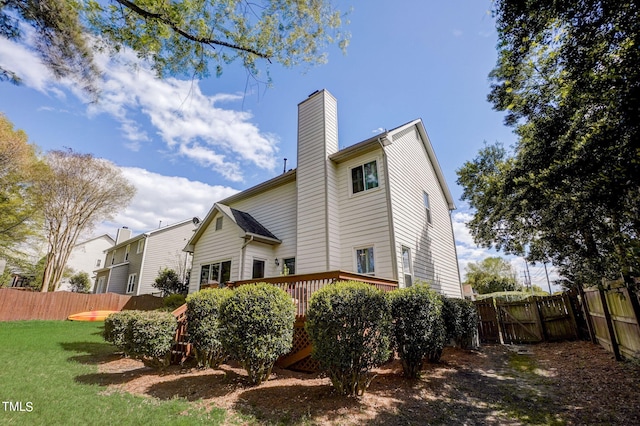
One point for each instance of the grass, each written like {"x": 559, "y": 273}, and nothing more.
{"x": 44, "y": 363}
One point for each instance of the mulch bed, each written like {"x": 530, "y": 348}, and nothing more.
{"x": 571, "y": 383}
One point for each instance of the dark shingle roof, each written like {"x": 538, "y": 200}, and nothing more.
{"x": 250, "y": 225}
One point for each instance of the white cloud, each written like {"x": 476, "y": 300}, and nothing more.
{"x": 169, "y": 199}
{"x": 191, "y": 124}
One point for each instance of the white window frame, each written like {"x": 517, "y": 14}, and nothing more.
{"x": 131, "y": 283}
{"x": 127, "y": 250}
{"x": 140, "y": 246}
{"x": 427, "y": 206}
{"x": 219, "y": 223}
{"x": 406, "y": 273}
{"x": 355, "y": 259}
{"x": 218, "y": 279}
{"x": 364, "y": 180}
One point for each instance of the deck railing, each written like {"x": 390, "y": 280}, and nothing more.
{"x": 302, "y": 286}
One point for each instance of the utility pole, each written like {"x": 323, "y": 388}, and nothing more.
{"x": 547, "y": 274}
{"x": 527, "y": 276}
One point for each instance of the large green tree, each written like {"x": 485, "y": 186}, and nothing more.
{"x": 178, "y": 37}
{"x": 568, "y": 78}
{"x": 491, "y": 275}
{"x": 19, "y": 205}
{"x": 79, "y": 192}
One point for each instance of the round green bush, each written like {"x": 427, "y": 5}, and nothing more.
{"x": 418, "y": 328}
{"x": 257, "y": 323}
{"x": 145, "y": 335}
{"x": 203, "y": 325}
{"x": 173, "y": 301}
{"x": 349, "y": 326}
{"x": 461, "y": 321}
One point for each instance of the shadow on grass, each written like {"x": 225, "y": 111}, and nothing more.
{"x": 106, "y": 379}
{"x": 92, "y": 352}
{"x": 213, "y": 384}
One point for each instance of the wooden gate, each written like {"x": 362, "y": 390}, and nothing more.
{"x": 533, "y": 320}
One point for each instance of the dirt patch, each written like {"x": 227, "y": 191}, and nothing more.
{"x": 551, "y": 383}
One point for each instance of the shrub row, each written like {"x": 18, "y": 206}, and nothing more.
{"x": 144, "y": 335}
{"x": 353, "y": 328}
{"x": 252, "y": 324}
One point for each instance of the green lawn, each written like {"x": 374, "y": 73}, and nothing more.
{"x": 44, "y": 371}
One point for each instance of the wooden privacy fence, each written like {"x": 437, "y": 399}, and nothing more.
{"x": 26, "y": 305}
{"x": 533, "y": 320}
{"x": 613, "y": 320}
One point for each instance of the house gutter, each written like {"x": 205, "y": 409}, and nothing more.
{"x": 242, "y": 255}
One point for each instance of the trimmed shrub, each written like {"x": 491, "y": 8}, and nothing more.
{"x": 349, "y": 326}
{"x": 203, "y": 326}
{"x": 418, "y": 329}
{"x": 117, "y": 330}
{"x": 257, "y": 327}
{"x": 145, "y": 335}
{"x": 173, "y": 301}
{"x": 461, "y": 321}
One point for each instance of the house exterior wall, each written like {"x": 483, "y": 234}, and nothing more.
{"x": 84, "y": 258}
{"x": 117, "y": 281}
{"x": 411, "y": 173}
{"x": 217, "y": 246}
{"x": 364, "y": 217}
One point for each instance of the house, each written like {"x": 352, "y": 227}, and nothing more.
{"x": 133, "y": 263}
{"x": 380, "y": 207}
{"x": 86, "y": 257}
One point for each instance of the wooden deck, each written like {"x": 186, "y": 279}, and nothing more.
{"x": 300, "y": 287}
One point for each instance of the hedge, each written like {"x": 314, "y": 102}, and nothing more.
{"x": 203, "y": 326}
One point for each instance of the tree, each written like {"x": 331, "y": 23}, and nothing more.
{"x": 78, "y": 192}
{"x": 491, "y": 275}
{"x": 177, "y": 37}
{"x": 168, "y": 281}
{"x": 568, "y": 77}
{"x": 80, "y": 282}
{"x": 19, "y": 206}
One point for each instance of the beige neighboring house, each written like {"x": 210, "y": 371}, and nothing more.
{"x": 132, "y": 265}
{"x": 380, "y": 207}
{"x": 86, "y": 257}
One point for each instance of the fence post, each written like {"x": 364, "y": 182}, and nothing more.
{"x": 612, "y": 332}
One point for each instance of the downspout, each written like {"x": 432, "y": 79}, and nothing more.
{"x": 242, "y": 255}
{"x": 392, "y": 232}
{"x": 144, "y": 255}
{"x": 455, "y": 251}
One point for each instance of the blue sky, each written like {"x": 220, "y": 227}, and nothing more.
{"x": 205, "y": 140}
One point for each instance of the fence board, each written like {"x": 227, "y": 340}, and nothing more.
{"x": 25, "y": 305}
{"x": 487, "y": 321}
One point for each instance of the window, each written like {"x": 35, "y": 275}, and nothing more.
{"x": 427, "y": 207}
{"x": 406, "y": 266}
{"x": 219, "y": 223}
{"x": 140, "y": 246}
{"x": 131, "y": 283}
{"x": 364, "y": 261}
{"x": 100, "y": 286}
{"x": 113, "y": 257}
{"x": 258, "y": 269}
{"x": 289, "y": 266}
{"x": 364, "y": 177}
{"x": 219, "y": 272}
{"x": 126, "y": 252}
{"x": 98, "y": 262}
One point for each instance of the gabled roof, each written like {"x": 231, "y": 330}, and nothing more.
{"x": 247, "y": 223}
{"x": 384, "y": 139}
{"x": 148, "y": 234}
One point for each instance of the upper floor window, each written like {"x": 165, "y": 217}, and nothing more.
{"x": 364, "y": 261}
{"x": 364, "y": 177}
{"x": 219, "y": 223}
{"x": 131, "y": 283}
{"x": 98, "y": 262}
{"x": 126, "y": 252}
{"x": 113, "y": 257}
{"x": 140, "y": 246}
{"x": 427, "y": 207}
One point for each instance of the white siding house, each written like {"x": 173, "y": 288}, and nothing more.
{"x": 86, "y": 257}
{"x": 380, "y": 207}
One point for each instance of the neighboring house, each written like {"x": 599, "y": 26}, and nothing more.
{"x": 86, "y": 257}
{"x": 133, "y": 264}
{"x": 380, "y": 207}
